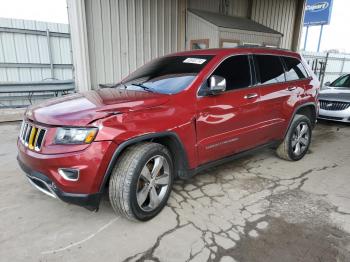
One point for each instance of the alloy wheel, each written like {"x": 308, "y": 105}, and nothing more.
{"x": 300, "y": 138}
{"x": 153, "y": 183}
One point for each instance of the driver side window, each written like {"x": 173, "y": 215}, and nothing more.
{"x": 236, "y": 71}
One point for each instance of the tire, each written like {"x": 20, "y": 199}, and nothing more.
{"x": 135, "y": 175}
{"x": 288, "y": 149}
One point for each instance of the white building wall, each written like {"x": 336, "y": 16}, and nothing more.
{"x": 31, "y": 49}
{"x": 250, "y": 37}
{"x": 198, "y": 28}
{"x": 124, "y": 34}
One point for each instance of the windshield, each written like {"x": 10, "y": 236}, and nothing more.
{"x": 166, "y": 75}
{"x": 341, "y": 82}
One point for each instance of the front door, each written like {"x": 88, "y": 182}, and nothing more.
{"x": 229, "y": 122}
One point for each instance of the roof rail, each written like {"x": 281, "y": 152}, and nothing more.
{"x": 263, "y": 47}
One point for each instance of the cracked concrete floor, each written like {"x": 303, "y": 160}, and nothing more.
{"x": 258, "y": 208}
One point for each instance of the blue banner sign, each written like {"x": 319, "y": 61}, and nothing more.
{"x": 318, "y": 12}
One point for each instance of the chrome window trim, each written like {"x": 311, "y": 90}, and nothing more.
{"x": 257, "y": 84}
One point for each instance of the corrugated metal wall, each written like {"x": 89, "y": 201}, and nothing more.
{"x": 229, "y": 7}
{"x": 278, "y": 15}
{"x": 206, "y": 5}
{"x": 24, "y": 54}
{"x": 238, "y": 8}
{"x": 124, "y": 34}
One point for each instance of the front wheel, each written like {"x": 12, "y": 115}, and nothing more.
{"x": 297, "y": 141}
{"x": 141, "y": 181}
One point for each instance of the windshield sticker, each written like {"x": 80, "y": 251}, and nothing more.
{"x": 192, "y": 60}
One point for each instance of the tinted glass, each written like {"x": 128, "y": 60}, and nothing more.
{"x": 270, "y": 69}
{"x": 343, "y": 81}
{"x": 294, "y": 69}
{"x": 236, "y": 71}
{"x": 167, "y": 75}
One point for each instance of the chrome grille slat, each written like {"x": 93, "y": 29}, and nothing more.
{"x": 37, "y": 133}
{"x": 26, "y": 138}
{"x": 38, "y": 143}
{"x": 334, "y": 105}
{"x": 24, "y": 132}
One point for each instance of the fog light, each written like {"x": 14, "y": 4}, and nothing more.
{"x": 69, "y": 174}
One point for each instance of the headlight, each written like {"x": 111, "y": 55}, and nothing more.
{"x": 66, "y": 135}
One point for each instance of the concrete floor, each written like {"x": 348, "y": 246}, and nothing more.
{"x": 258, "y": 208}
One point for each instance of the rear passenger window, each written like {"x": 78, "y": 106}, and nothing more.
{"x": 294, "y": 69}
{"x": 236, "y": 71}
{"x": 270, "y": 69}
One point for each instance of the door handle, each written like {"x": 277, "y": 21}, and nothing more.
{"x": 250, "y": 96}
{"x": 291, "y": 88}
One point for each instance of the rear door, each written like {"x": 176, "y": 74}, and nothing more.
{"x": 275, "y": 94}
{"x": 229, "y": 122}
{"x": 298, "y": 83}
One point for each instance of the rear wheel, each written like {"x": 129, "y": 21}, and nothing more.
{"x": 297, "y": 141}
{"x": 141, "y": 181}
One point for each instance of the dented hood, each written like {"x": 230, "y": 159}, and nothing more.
{"x": 83, "y": 108}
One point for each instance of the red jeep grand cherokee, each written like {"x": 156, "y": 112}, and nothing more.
{"x": 171, "y": 118}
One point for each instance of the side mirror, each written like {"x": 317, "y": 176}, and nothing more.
{"x": 217, "y": 85}
{"x": 327, "y": 83}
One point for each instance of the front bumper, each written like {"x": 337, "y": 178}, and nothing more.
{"x": 47, "y": 186}
{"x": 92, "y": 162}
{"x": 341, "y": 116}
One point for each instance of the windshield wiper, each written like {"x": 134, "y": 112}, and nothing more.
{"x": 123, "y": 85}
{"x": 120, "y": 84}
{"x": 143, "y": 87}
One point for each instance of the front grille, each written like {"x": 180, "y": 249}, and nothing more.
{"x": 32, "y": 136}
{"x": 334, "y": 106}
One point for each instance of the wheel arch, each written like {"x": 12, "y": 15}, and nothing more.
{"x": 307, "y": 109}
{"x": 168, "y": 139}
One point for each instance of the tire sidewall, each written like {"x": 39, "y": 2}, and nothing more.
{"x": 297, "y": 120}
{"x": 136, "y": 210}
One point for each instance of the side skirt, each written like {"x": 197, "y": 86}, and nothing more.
{"x": 221, "y": 161}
